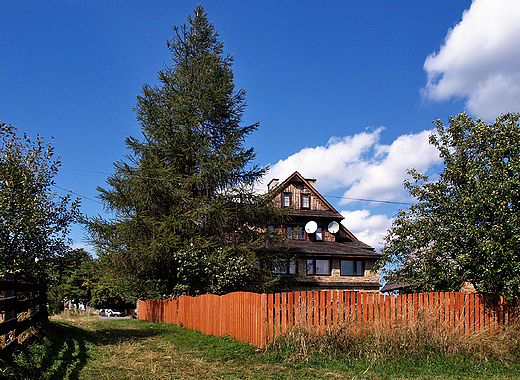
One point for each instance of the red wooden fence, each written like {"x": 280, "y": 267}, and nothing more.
{"x": 256, "y": 318}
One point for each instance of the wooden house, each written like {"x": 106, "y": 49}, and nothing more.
{"x": 321, "y": 252}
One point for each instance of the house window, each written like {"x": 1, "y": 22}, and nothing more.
{"x": 352, "y": 268}
{"x": 284, "y": 266}
{"x": 286, "y": 202}
{"x": 295, "y": 233}
{"x": 306, "y": 201}
{"x": 271, "y": 231}
{"x": 319, "y": 235}
{"x": 318, "y": 267}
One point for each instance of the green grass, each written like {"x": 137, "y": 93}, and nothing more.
{"x": 86, "y": 347}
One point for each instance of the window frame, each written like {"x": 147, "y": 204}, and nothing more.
{"x": 286, "y": 196}
{"x": 285, "y": 266}
{"x": 319, "y": 234}
{"x": 312, "y": 262}
{"x": 308, "y": 197}
{"x": 356, "y": 263}
{"x": 294, "y": 233}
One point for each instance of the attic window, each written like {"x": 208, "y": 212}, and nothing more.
{"x": 306, "y": 201}
{"x": 286, "y": 199}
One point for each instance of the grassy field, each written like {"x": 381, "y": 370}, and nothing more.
{"x": 86, "y": 347}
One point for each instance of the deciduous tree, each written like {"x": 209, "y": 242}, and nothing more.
{"x": 34, "y": 220}
{"x": 465, "y": 226}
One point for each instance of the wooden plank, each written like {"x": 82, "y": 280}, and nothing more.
{"x": 304, "y": 309}
{"x": 322, "y": 310}
{"x": 277, "y": 314}
{"x": 481, "y": 310}
{"x": 398, "y": 309}
{"x": 381, "y": 311}
{"x": 263, "y": 321}
{"x": 409, "y": 309}
{"x": 290, "y": 311}
{"x": 297, "y": 309}
{"x": 315, "y": 313}
{"x": 370, "y": 307}
{"x": 364, "y": 309}
{"x": 270, "y": 315}
{"x": 8, "y": 326}
{"x": 8, "y": 304}
{"x": 353, "y": 317}
{"x": 415, "y": 306}
{"x": 329, "y": 309}
{"x": 283, "y": 312}
{"x": 442, "y": 309}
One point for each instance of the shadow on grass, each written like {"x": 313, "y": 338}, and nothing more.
{"x": 60, "y": 351}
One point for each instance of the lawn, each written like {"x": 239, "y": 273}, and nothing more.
{"x": 86, "y": 347}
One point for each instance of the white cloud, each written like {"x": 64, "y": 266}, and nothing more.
{"x": 334, "y": 165}
{"x": 479, "y": 60}
{"x": 383, "y": 174}
{"x": 370, "y": 229}
{"x": 361, "y": 165}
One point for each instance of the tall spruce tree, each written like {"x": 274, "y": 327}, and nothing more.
{"x": 185, "y": 213}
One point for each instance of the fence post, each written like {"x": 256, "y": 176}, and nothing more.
{"x": 11, "y": 314}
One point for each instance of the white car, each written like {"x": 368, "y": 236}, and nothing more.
{"x": 113, "y": 313}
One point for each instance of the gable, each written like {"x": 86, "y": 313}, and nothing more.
{"x": 298, "y": 187}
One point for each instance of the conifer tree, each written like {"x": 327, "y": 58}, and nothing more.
{"x": 185, "y": 213}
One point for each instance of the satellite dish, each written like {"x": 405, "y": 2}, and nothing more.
{"x": 311, "y": 227}
{"x": 333, "y": 227}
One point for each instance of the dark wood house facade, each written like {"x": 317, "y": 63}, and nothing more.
{"x": 322, "y": 253}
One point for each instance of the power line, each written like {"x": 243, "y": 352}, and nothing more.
{"x": 128, "y": 175}
{"x": 79, "y": 195}
{"x": 370, "y": 200}
{"x": 166, "y": 179}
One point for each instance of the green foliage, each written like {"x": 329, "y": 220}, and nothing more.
{"x": 187, "y": 187}
{"x": 34, "y": 221}
{"x": 466, "y": 225}
{"x": 68, "y": 278}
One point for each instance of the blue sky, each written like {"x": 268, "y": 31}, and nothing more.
{"x": 345, "y": 91}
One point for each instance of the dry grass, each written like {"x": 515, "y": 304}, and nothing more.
{"x": 420, "y": 338}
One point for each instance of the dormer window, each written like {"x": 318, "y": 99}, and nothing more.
{"x": 306, "y": 201}
{"x": 286, "y": 199}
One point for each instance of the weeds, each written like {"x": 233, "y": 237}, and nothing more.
{"x": 420, "y": 338}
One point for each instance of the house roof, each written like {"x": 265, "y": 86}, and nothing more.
{"x": 353, "y": 248}
{"x": 391, "y": 286}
